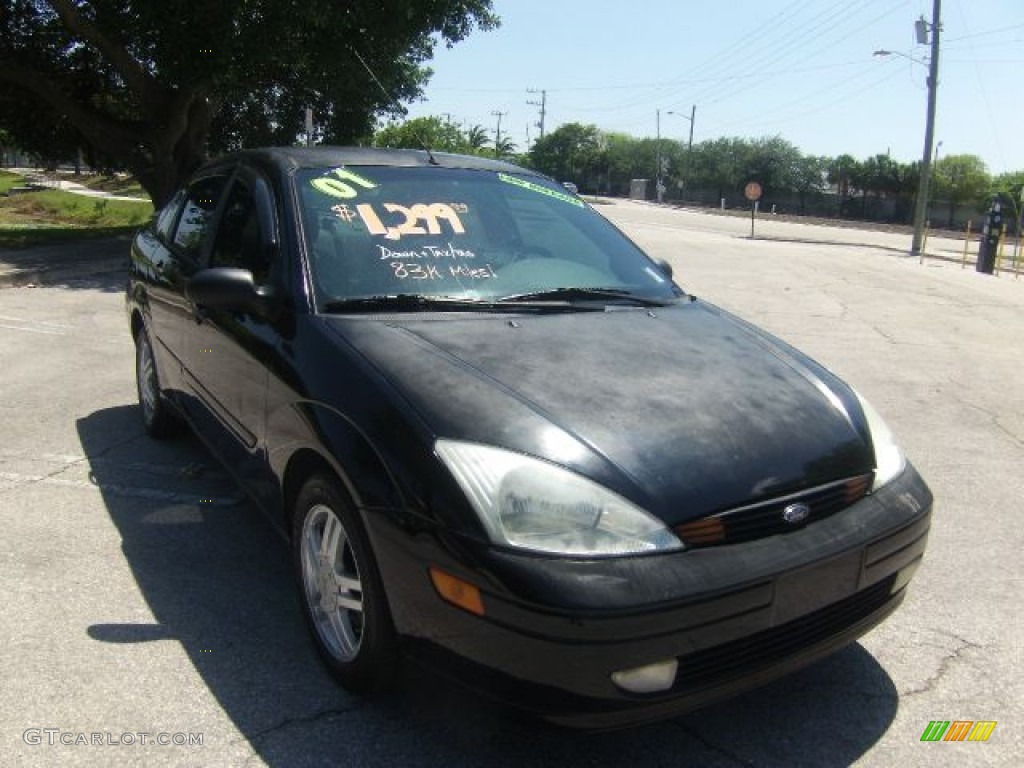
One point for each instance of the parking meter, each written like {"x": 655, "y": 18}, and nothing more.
{"x": 990, "y": 234}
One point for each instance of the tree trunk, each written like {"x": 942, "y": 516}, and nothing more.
{"x": 178, "y": 147}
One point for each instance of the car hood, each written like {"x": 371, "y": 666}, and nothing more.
{"x": 686, "y": 410}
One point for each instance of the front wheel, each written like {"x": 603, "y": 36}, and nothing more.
{"x": 341, "y": 591}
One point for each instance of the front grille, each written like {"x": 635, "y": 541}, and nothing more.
{"x": 749, "y": 654}
{"x": 757, "y": 521}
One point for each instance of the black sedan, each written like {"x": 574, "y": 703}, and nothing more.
{"x": 502, "y": 441}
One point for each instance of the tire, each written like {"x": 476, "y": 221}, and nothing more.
{"x": 157, "y": 418}
{"x": 342, "y": 596}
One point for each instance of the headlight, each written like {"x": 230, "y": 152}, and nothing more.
{"x": 889, "y": 459}
{"x": 530, "y": 504}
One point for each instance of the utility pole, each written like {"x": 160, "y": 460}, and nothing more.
{"x": 543, "y": 104}
{"x": 921, "y": 207}
{"x": 657, "y": 145}
{"x": 497, "y": 135}
{"x": 689, "y": 152}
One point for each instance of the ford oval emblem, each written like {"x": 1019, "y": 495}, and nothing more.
{"x": 796, "y": 513}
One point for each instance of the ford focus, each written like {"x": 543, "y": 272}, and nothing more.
{"x": 502, "y": 441}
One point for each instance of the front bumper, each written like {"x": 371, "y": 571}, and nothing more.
{"x": 733, "y": 617}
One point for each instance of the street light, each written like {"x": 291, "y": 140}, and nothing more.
{"x": 921, "y": 205}
{"x": 689, "y": 145}
{"x": 690, "y": 117}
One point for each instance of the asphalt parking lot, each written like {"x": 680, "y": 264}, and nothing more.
{"x": 144, "y": 594}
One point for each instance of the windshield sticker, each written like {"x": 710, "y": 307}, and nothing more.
{"x": 563, "y": 196}
{"x": 333, "y": 183}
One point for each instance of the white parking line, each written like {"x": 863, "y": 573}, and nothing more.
{"x": 36, "y": 322}
{"x": 34, "y": 330}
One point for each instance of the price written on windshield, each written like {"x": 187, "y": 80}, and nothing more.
{"x": 398, "y": 221}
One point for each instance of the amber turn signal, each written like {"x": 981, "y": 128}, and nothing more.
{"x": 457, "y": 592}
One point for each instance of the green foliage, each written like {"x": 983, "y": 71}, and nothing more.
{"x": 476, "y": 138}
{"x": 430, "y": 132}
{"x": 721, "y": 164}
{"x": 960, "y": 179}
{"x": 441, "y": 136}
{"x": 574, "y": 152}
{"x": 153, "y": 86}
{"x": 8, "y": 180}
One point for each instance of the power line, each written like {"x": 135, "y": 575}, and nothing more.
{"x": 983, "y": 34}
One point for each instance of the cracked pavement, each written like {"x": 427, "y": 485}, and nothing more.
{"x": 143, "y": 593}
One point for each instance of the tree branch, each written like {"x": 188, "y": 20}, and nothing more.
{"x": 110, "y": 136}
{"x": 139, "y": 81}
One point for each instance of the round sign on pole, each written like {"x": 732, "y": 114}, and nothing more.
{"x": 752, "y": 191}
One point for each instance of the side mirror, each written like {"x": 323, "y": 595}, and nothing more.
{"x": 665, "y": 267}
{"x": 230, "y": 289}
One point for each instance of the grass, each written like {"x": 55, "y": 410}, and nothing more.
{"x": 49, "y": 215}
{"x": 8, "y": 180}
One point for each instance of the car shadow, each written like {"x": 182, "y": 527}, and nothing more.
{"x": 215, "y": 575}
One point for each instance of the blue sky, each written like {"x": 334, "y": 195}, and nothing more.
{"x": 800, "y": 69}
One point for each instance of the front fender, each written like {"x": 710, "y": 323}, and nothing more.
{"x": 337, "y": 440}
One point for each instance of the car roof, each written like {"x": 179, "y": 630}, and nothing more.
{"x": 290, "y": 158}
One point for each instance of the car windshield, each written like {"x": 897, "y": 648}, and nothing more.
{"x": 374, "y": 232}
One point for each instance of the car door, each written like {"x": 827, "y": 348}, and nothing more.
{"x": 227, "y": 351}
{"x": 173, "y": 249}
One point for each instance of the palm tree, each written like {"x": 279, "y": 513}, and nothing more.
{"x": 476, "y": 138}
{"x": 504, "y": 147}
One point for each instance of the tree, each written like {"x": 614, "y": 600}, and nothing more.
{"x": 772, "y": 162}
{"x": 720, "y": 164}
{"x": 572, "y": 152}
{"x": 476, "y": 138}
{"x": 809, "y": 177}
{"x": 420, "y": 133}
{"x": 621, "y": 162}
{"x": 504, "y": 147}
{"x": 152, "y": 85}
{"x": 960, "y": 179}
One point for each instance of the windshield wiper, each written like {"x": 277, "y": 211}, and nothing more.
{"x": 588, "y": 294}
{"x": 403, "y": 302}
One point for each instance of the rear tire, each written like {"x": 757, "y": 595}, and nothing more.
{"x": 156, "y": 415}
{"x": 342, "y": 595}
